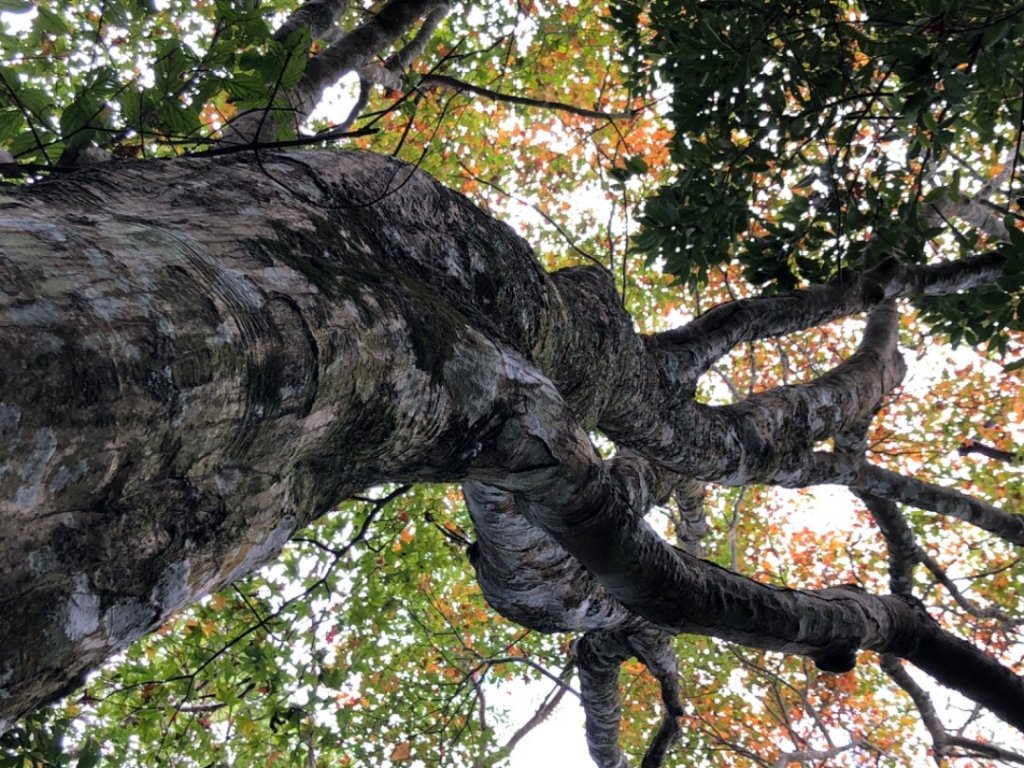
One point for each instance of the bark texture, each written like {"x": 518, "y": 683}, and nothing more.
{"x": 201, "y": 356}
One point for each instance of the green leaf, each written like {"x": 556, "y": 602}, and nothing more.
{"x": 181, "y": 121}
{"x": 90, "y": 754}
{"x": 248, "y": 89}
{"x": 79, "y": 116}
{"x": 49, "y": 22}
{"x": 294, "y": 67}
{"x": 26, "y": 145}
{"x": 11, "y": 124}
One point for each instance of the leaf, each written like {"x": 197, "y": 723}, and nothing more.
{"x": 248, "y": 89}
{"x": 90, "y": 754}
{"x": 49, "y": 22}
{"x": 294, "y": 67}
{"x": 11, "y": 123}
{"x": 401, "y": 752}
{"x": 180, "y": 120}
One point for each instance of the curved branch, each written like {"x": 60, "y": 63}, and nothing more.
{"x": 353, "y": 51}
{"x": 391, "y": 73}
{"x": 599, "y": 654}
{"x": 768, "y": 434}
{"x": 904, "y": 552}
{"x": 892, "y": 666}
{"x": 356, "y": 48}
{"x": 707, "y": 338}
{"x": 690, "y": 519}
{"x": 598, "y": 658}
{"x": 527, "y": 577}
{"x": 551, "y": 474}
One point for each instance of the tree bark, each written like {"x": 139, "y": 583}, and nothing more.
{"x": 201, "y": 356}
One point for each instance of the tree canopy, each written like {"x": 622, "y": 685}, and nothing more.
{"x": 777, "y": 170}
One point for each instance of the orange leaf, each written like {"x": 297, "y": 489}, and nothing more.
{"x": 401, "y": 751}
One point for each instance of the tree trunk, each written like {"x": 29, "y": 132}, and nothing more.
{"x": 202, "y": 356}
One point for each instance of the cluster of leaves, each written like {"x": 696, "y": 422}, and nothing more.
{"x": 812, "y": 136}
{"x": 552, "y": 171}
{"x": 135, "y": 80}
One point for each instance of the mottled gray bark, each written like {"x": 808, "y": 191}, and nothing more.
{"x": 201, "y": 356}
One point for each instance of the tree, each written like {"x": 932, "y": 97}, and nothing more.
{"x": 206, "y": 353}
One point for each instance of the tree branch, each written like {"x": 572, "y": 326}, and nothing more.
{"x": 707, "y": 338}
{"x": 903, "y": 548}
{"x": 543, "y": 713}
{"x": 989, "y": 451}
{"x": 892, "y": 666}
{"x": 933, "y": 498}
{"x": 553, "y": 477}
{"x": 318, "y": 16}
{"x": 391, "y": 73}
{"x": 769, "y": 434}
{"x": 599, "y": 654}
{"x": 445, "y": 81}
{"x": 356, "y": 48}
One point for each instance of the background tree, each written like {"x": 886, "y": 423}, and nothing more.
{"x": 838, "y": 144}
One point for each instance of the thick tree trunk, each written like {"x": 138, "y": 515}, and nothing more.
{"x": 201, "y": 356}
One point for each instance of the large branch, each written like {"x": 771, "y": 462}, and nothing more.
{"x": 357, "y": 48}
{"x": 706, "y": 339}
{"x": 599, "y": 655}
{"x": 318, "y": 16}
{"x": 864, "y": 478}
{"x": 530, "y": 579}
{"x": 762, "y": 436}
{"x": 934, "y": 498}
{"x": 391, "y": 73}
{"x": 646, "y": 399}
{"x": 561, "y": 484}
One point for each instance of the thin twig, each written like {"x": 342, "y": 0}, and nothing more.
{"x": 445, "y": 81}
